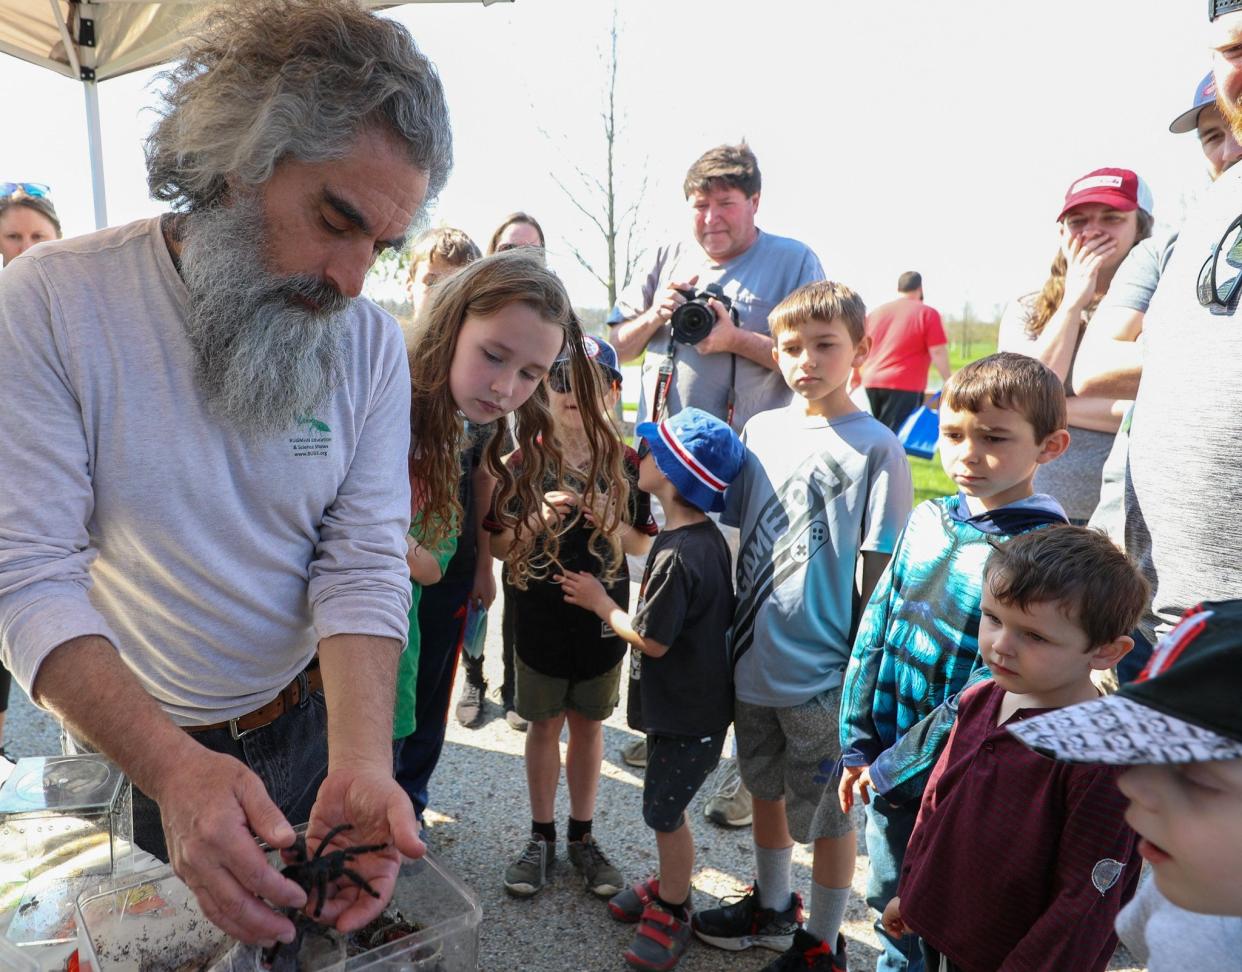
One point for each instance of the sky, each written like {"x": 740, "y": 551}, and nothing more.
{"x": 933, "y": 135}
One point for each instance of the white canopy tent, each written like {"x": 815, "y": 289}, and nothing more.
{"x": 93, "y": 40}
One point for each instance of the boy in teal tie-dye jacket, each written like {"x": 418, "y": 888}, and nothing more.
{"x": 917, "y": 645}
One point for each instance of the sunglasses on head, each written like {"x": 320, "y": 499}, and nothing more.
{"x": 518, "y": 246}
{"x": 559, "y": 379}
{"x": 35, "y": 189}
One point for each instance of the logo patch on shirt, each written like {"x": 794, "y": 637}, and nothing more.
{"x": 1105, "y": 874}
{"x": 312, "y": 437}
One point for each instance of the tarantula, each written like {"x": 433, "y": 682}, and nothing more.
{"x": 313, "y": 872}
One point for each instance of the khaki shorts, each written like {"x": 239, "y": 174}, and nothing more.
{"x": 791, "y": 753}
{"x": 539, "y": 696}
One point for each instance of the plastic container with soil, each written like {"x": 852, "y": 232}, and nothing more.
{"x": 150, "y": 922}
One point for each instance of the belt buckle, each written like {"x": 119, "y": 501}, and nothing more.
{"x": 239, "y": 734}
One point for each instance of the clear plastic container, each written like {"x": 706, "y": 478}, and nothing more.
{"x": 150, "y": 922}
{"x": 65, "y": 821}
{"x": 14, "y": 959}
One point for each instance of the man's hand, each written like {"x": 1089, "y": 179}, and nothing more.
{"x": 584, "y": 590}
{"x": 212, "y": 808}
{"x": 673, "y": 298}
{"x": 379, "y": 812}
{"x": 720, "y": 338}
{"x": 891, "y": 920}
{"x": 854, "y": 775}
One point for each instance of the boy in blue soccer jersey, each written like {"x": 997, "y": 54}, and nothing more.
{"x": 918, "y": 644}
{"x": 820, "y": 501}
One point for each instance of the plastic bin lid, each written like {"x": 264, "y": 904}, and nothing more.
{"x": 60, "y": 784}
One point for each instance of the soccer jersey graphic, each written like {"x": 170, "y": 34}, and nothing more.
{"x": 790, "y": 530}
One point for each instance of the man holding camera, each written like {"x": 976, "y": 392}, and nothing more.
{"x": 701, "y": 314}
{"x": 736, "y": 271}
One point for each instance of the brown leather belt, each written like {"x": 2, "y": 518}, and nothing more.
{"x": 309, "y": 680}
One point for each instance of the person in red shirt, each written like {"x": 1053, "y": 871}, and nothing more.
{"x": 906, "y": 337}
{"x": 1017, "y": 861}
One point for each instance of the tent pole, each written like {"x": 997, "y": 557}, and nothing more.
{"x": 94, "y": 140}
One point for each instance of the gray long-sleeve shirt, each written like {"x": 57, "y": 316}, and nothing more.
{"x": 214, "y": 563}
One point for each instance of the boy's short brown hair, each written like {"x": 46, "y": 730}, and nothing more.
{"x": 1012, "y": 381}
{"x": 1096, "y": 584}
{"x": 823, "y": 300}
{"x": 727, "y": 167}
{"x": 451, "y": 245}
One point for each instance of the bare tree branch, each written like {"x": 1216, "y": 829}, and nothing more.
{"x": 614, "y": 217}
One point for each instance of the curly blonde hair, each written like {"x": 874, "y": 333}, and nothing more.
{"x": 438, "y": 433}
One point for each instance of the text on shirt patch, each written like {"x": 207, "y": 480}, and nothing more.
{"x": 312, "y": 437}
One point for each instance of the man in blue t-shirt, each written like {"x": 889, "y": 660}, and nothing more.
{"x": 730, "y": 372}
{"x": 754, "y": 269}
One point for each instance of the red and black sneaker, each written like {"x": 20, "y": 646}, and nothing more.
{"x": 660, "y": 942}
{"x": 628, "y": 905}
{"x": 809, "y": 952}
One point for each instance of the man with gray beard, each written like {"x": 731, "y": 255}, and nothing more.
{"x": 203, "y": 479}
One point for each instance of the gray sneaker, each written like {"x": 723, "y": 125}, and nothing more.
{"x": 635, "y": 753}
{"x": 470, "y": 704}
{"x": 729, "y": 804}
{"x": 529, "y": 873}
{"x": 515, "y": 721}
{"x": 598, "y": 875}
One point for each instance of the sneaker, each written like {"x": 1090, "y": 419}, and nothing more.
{"x": 470, "y": 705}
{"x": 628, "y": 905}
{"x": 729, "y": 804}
{"x": 600, "y": 877}
{"x": 635, "y": 753}
{"x": 808, "y": 952}
{"x": 660, "y": 941}
{"x": 743, "y": 924}
{"x": 529, "y": 873}
{"x": 516, "y": 722}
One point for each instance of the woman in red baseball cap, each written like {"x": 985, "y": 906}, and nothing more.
{"x": 1105, "y": 213}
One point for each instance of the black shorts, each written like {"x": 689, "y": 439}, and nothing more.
{"x": 676, "y": 768}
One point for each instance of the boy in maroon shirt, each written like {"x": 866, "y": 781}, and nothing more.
{"x": 1019, "y": 862}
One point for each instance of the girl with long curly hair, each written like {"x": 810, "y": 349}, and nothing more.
{"x": 1105, "y": 214}
{"x": 480, "y": 350}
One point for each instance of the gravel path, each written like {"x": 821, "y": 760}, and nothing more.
{"x": 478, "y": 822}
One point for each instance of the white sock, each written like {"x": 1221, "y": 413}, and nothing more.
{"x": 827, "y": 912}
{"x": 772, "y": 875}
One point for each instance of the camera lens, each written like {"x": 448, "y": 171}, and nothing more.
{"x": 693, "y": 321}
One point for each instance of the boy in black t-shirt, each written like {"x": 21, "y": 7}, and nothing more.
{"x": 681, "y": 629}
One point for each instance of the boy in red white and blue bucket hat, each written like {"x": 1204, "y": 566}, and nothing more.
{"x": 679, "y": 636}
{"x": 1178, "y": 728}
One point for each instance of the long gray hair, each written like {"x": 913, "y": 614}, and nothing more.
{"x": 262, "y": 81}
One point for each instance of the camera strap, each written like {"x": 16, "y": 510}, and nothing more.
{"x": 664, "y": 378}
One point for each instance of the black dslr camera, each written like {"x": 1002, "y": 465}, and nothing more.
{"x": 694, "y": 319}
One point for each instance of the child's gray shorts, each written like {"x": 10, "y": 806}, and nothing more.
{"x": 791, "y": 752}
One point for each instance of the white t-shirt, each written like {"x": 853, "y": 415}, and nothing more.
{"x": 214, "y": 563}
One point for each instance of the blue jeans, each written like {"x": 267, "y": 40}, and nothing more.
{"x": 441, "y": 617}
{"x": 1129, "y": 668}
{"x": 289, "y": 755}
{"x": 888, "y": 833}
